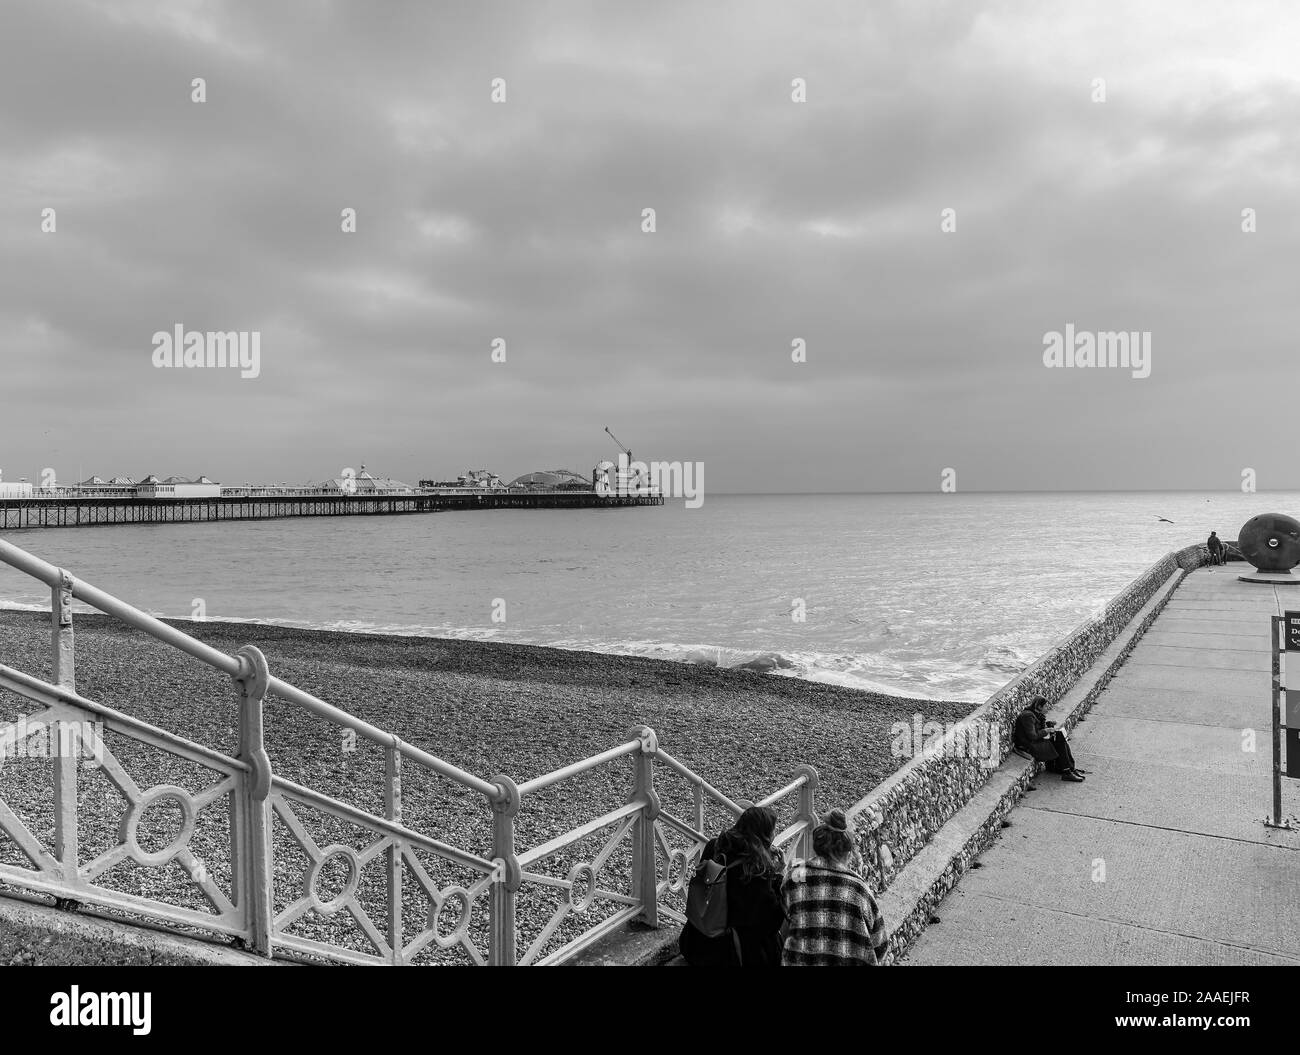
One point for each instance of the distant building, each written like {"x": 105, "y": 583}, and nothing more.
{"x": 177, "y": 487}
{"x": 552, "y": 480}
{"x": 21, "y": 489}
{"x": 480, "y": 478}
{"x": 366, "y": 483}
{"x": 116, "y": 483}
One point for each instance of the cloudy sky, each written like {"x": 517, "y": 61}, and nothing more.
{"x": 775, "y": 220}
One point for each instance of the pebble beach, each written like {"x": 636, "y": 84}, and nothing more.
{"x": 488, "y": 708}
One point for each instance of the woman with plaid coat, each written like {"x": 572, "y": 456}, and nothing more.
{"x": 831, "y": 917}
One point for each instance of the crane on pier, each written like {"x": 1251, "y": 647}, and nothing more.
{"x": 619, "y": 444}
{"x": 637, "y": 481}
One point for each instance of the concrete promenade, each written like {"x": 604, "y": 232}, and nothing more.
{"x": 1161, "y": 856}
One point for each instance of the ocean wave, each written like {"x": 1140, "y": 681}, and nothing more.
{"x": 22, "y": 606}
{"x": 1007, "y": 658}
{"x": 865, "y": 671}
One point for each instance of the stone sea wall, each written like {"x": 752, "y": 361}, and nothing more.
{"x": 899, "y": 817}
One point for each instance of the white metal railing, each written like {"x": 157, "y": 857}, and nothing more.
{"x": 640, "y": 868}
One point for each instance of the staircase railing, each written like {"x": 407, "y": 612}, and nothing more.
{"x": 541, "y": 905}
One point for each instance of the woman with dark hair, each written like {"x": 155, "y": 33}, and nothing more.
{"x": 1040, "y": 738}
{"x": 833, "y": 919}
{"x": 754, "y": 911}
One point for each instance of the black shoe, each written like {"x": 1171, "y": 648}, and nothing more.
{"x": 1072, "y": 777}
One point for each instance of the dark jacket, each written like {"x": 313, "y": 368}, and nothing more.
{"x": 754, "y": 911}
{"x": 1214, "y": 543}
{"x": 1030, "y": 726}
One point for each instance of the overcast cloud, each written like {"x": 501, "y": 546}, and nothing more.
{"x": 776, "y": 220}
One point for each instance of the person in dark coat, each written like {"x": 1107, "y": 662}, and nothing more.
{"x": 1215, "y": 545}
{"x": 1034, "y": 735}
{"x": 754, "y": 909}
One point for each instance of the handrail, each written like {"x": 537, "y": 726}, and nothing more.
{"x": 708, "y": 789}
{"x": 25, "y": 685}
{"x": 257, "y": 796}
{"x": 544, "y": 850}
{"x": 228, "y": 664}
{"x": 557, "y": 775}
{"x": 358, "y": 815}
{"x": 789, "y": 832}
{"x": 777, "y": 796}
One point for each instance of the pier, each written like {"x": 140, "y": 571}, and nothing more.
{"x": 73, "y": 510}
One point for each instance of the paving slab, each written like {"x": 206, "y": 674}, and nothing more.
{"x": 1084, "y": 872}
{"x": 1256, "y": 683}
{"x": 1039, "y": 937}
{"x": 1203, "y": 748}
{"x": 1236, "y": 642}
{"x": 1200, "y": 658}
{"x": 1169, "y": 705}
{"x": 1173, "y": 797}
{"x": 1161, "y": 856}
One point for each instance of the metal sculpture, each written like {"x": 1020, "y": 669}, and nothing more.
{"x": 1271, "y": 542}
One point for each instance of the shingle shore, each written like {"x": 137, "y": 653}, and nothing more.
{"x": 488, "y": 708}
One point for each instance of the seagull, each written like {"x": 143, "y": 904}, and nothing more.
{"x": 1162, "y": 520}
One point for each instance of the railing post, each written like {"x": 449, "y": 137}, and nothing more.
{"x": 645, "y": 865}
{"x": 503, "y": 947}
{"x": 63, "y": 665}
{"x": 251, "y": 838}
{"x": 393, "y": 812}
{"x": 807, "y": 808}
{"x": 64, "y": 762}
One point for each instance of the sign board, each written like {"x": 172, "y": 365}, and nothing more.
{"x": 1285, "y": 708}
{"x": 1291, "y": 717}
{"x": 1291, "y": 628}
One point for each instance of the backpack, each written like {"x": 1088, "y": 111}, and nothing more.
{"x": 706, "y": 898}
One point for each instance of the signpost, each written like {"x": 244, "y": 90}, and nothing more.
{"x": 1286, "y": 710}
{"x": 1292, "y": 620}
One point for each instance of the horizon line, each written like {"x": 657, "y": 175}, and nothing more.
{"x": 1043, "y": 491}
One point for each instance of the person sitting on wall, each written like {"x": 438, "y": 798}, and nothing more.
{"x": 1040, "y": 738}
{"x": 1215, "y": 545}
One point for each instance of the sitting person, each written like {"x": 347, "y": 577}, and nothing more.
{"x": 754, "y": 911}
{"x": 832, "y": 919}
{"x": 1036, "y": 735}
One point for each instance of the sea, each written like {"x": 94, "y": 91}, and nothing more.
{"x": 940, "y": 596}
